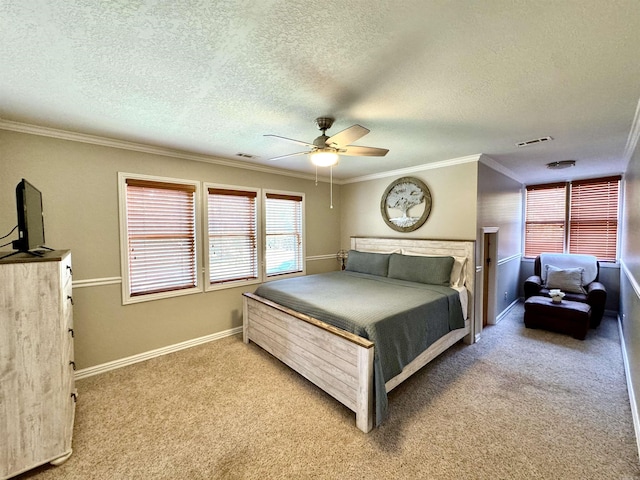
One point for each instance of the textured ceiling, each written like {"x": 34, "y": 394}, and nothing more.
{"x": 432, "y": 80}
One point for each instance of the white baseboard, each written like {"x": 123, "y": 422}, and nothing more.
{"x": 632, "y": 397}
{"x": 141, "y": 357}
{"x": 506, "y": 311}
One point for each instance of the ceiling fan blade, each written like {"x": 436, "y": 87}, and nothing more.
{"x": 288, "y": 155}
{"x": 299, "y": 142}
{"x": 356, "y": 150}
{"x": 346, "y": 136}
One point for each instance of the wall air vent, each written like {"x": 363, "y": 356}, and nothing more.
{"x": 534, "y": 141}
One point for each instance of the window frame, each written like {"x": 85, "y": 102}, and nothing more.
{"x": 265, "y": 194}
{"x": 259, "y": 242}
{"x": 569, "y": 220}
{"x": 127, "y": 298}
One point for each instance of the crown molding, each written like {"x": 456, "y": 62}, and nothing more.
{"x": 491, "y": 163}
{"x": 144, "y": 148}
{"x": 632, "y": 140}
{"x": 417, "y": 168}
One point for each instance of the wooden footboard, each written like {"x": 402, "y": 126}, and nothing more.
{"x": 338, "y": 362}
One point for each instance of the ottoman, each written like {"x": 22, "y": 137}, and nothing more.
{"x": 571, "y": 318}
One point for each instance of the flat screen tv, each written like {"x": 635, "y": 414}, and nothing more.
{"x": 30, "y": 217}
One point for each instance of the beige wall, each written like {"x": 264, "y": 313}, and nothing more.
{"x": 453, "y": 212}
{"x": 80, "y": 193}
{"x": 499, "y": 206}
{"x": 79, "y": 186}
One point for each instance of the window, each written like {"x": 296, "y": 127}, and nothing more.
{"x": 545, "y": 219}
{"x": 576, "y": 217}
{"x": 593, "y": 223}
{"x": 232, "y": 235}
{"x": 284, "y": 226}
{"x": 158, "y": 219}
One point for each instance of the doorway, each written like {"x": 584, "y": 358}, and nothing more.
{"x": 489, "y": 266}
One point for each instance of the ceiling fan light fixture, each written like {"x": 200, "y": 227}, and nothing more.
{"x": 324, "y": 157}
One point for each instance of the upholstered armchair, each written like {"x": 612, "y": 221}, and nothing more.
{"x": 575, "y": 275}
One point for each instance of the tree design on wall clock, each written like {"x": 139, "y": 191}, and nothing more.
{"x": 406, "y": 204}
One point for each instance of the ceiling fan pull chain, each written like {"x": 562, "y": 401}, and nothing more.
{"x": 331, "y": 185}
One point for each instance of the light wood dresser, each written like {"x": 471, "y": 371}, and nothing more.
{"x": 37, "y": 391}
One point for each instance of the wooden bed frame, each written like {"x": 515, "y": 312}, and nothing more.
{"x": 337, "y": 361}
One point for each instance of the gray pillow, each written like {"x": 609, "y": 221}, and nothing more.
{"x": 366, "y": 262}
{"x": 567, "y": 280}
{"x": 431, "y": 270}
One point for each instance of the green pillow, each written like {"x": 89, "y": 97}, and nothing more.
{"x": 366, "y": 262}
{"x": 431, "y": 270}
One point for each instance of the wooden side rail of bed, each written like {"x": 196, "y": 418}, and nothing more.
{"x": 338, "y": 362}
{"x": 439, "y": 346}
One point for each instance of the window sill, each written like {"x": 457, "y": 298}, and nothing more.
{"x": 234, "y": 284}
{"x": 127, "y": 300}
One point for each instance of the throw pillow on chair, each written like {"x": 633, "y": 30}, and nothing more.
{"x": 567, "y": 280}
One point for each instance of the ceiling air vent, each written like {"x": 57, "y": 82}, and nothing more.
{"x": 534, "y": 141}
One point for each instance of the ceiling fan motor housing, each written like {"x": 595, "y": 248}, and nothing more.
{"x": 324, "y": 123}
{"x": 321, "y": 141}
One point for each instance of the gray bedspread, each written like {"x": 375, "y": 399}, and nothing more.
{"x": 401, "y": 318}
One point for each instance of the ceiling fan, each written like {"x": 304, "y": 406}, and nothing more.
{"x": 325, "y": 150}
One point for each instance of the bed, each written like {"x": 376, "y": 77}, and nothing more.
{"x": 350, "y": 361}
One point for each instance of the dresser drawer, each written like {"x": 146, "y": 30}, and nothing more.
{"x": 66, "y": 319}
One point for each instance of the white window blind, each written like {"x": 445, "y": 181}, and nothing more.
{"x": 232, "y": 219}
{"x": 161, "y": 236}
{"x": 593, "y": 222}
{"x": 545, "y": 219}
{"x": 283, "y": 234}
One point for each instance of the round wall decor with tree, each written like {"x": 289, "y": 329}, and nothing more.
{"x": 406, "y": 204}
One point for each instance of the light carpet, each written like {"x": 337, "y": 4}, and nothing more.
{"x": 519, "y": 404}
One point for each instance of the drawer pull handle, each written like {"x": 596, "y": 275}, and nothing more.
{"x": 71, "y": 332}
{"x": 69, "y": 297}
{"x": 70, "y": 270}
{"x": 73, "y": 364}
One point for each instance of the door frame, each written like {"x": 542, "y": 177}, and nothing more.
{"x": 489, "y": 255}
